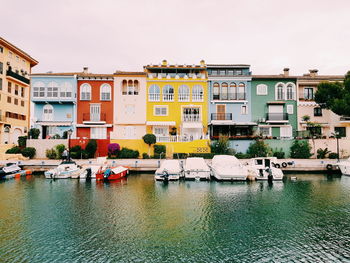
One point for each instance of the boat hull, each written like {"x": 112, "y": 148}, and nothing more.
{"x": 197, "y": 175}
{"x": 113, "y": 176}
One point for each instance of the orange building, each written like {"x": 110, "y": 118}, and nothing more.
{"x": 94, "y": 105}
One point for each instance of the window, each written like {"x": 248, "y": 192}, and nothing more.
{"x": 341, "y": 131}
{"x": 22, "y": 103}
{"x": 105, "y": 92}
{"x": 8, "y": 99}
{"x": 261, "y": 89}
{"x": 16, "y": 101}
{"x": 214, "y": 72}
{"x": 48, "y": 112}
{"x": 290, "y": 109}
{"x": 222, "y": 72}
{"x": 197, "y": 93}
{"x": 238, "y": 72}
{"x": 232, "y": 91}
{"x": 224, "y": 91}
{"x": 230, "y": 72}
{"x": 216, "y": 91}
{"x": 9, "y": 86}
{"x": 286, "y": 131}
{"x": 130, "y": 87}
{"x": 160, "y": 111}
{"x": 66, "y": 90}
{"x": 241, "y": 91}
{"x": 244, "y": 110}
{"x": 0, "y": 83}
{"x": 168, "y": 93}
{"x": 38, "y": 90}
{"x": 95, "y": 112}
{"x": 1, "y": 68}
{"x": 98, "y": 133}
{"x": 52, "y": 90}
{"x": 130, "y": 132}
{"x": 16, "y": 90}
{"x": 265, "y": 131}
{"x": 184, "y": 93}
{"x": 160, "y": 131}
{"x": 317, "y": 112}
{"x": 22, "y": 92}
{"x": 85, "y": 92}
{"x": 129, "y": 109}
{"x": 1, "y": 49}
{"x": 308, "y": 93}
{"x": 154, "y": 93}
{"x": 280, "y": 91}
{"x": 290, "y": 91}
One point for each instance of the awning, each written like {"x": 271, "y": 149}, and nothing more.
{"x": 94, "y": 125}
{"x": 54, "y": 123}
{"x": 161, "y": 123}
{"x": 192, "y": 125}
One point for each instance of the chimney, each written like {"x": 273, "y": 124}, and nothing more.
{"x": 202, "y": 63}
{"x": 313, "y": 72}
{"x": 85, "y": 70}
{"x": 286, "y": 72}
{"x": 164, "y": 62}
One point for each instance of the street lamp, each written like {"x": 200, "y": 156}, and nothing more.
{"x": 69, "y": 132}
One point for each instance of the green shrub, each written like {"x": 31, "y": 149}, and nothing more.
{"x": 91, "y": 148}
{"x": 29, "y": 152}
{"x": 300, "y": 150}
{"x": 322, "y": 153}
{"x": 76, "y": 152}
{"x": 221, "y": 146}
{"x": 333, "y": 155}
{"x": 51, "y": 154}
{"x": 22, "y": 141}
{"x": 145, "y": 156}
{"x": 126, "y": 153}
{"x": 180, "y": 155}
{"x": 258, "y": 149}
{"x": 56, "y": 136}
{"x": 240, "y": 155}
{"x": 59, "y": 150}
{"x": 34, "y": 133}
{"x": 14, "y": 150}
{"x": 280, "y": 154}
{"x": 158, "y": 149}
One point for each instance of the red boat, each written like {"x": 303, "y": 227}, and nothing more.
{"x": 113, "y": 173}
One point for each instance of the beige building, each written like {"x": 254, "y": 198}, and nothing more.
{"x": 329, "y": 121}
{"x": 15, "y": 69}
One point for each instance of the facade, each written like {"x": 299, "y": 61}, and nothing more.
{"x": 54, "y": 98}
{"x": 230, "y": 110}
{"x": 177, "y": 97}
{"x": 328, "y": 121}
{"x": 94, "y": 105}
{"x": 130, "y": 110}
{"x": 15, "y": 69}
{"x": 274, "y": 100}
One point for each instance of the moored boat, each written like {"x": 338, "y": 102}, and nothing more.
{"x": 344, "y": 167}
{"x": 112, "y": 173}
{"x": 196, "y": 168}
{"x": 169, "y": 170}
{"x": 12, "y": 170}
{"x": 264, "y": 169}
{"x": 228, "y": 167}
{"x": 67, "y": 169}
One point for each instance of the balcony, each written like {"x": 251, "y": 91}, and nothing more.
{"x": 276, "y": 117}
{"x": 154, "y": 97}
{"x": 180, "y": 138}
{"x": 191, "y": 118}
{"x": 221, "y": 116}
{"x": 17, "y": 76}
{"x": 94, "y": 118}
{"x": 230, "y": 96}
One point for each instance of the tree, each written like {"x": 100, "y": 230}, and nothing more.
{"x": 313, "y": 128}
{"x": 300, "y": 150}
{"x": 34, "y": 133}
{"x": 91, "y": 148}
{"x": 335, "y": 96}
{"x": 221, "y": 146}
{"x": 149, "y": 139}
{"x": 259, "y": 149}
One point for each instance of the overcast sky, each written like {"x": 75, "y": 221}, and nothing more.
{"x": 107, "y": 35}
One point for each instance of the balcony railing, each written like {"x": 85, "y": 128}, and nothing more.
{"x": 180, "y": 138}
{"x": 93, "y": 117}
{"x": 17, "y": 76}
{"x": 154, "y": 97}
{"x": 221, "y": 116}
{"x": 197, "y": 97}
{"x": 276, "y": 117}
{"x": 191, "y": 118}
{"x": 230, "y": 96}
{"x": 168, "y": 97}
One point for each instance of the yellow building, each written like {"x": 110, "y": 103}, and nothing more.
{"x": 15, "y": 69}
{"x": 177, "y": 97}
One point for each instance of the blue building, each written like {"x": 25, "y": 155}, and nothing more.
{"x": 53, "y": 98}
{"x": 230, "y": 112}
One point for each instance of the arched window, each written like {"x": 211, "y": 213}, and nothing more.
{"x": 38, "y": 90}
{"x": 168, "y": 93}
{"x": 66, "y": 90}
{"x": 48, "y": 112}
{"x": 279, "y": 91}
{"x": 85, "y": 92}
{"x": 105, "y": 92}
{"x": 184, "y": 93}
{"x": 216, "y": 91}
{"x": 232, "y": 91}
{"x": 197, "y": 93}
{"x": 52, "y": 90}
{"x": 124, "y": 87}
{"x": 290, "y": 91}
{"x": 224, "y": 91}
{"x": 136, "y": 87}
{"x": 154, "y": 93}
{"x": 241, "y": 91}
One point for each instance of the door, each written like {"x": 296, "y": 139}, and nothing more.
{"x": 95, "y": 112}
{"x": 220, "y": 111}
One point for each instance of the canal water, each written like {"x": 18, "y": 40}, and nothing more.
{"x": 140, "y": 220}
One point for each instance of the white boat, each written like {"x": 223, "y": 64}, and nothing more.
{"x": 196, "y": 168}
{"x": 262, "y": 167}
{"x": 228, "y": 167}
{"x": 67, "y": 169}
{"x": 12, "y": 170}
{"x": 344, "y": 167}
{"x": 91, "y": 170}
{"x": 169, "y": 170}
